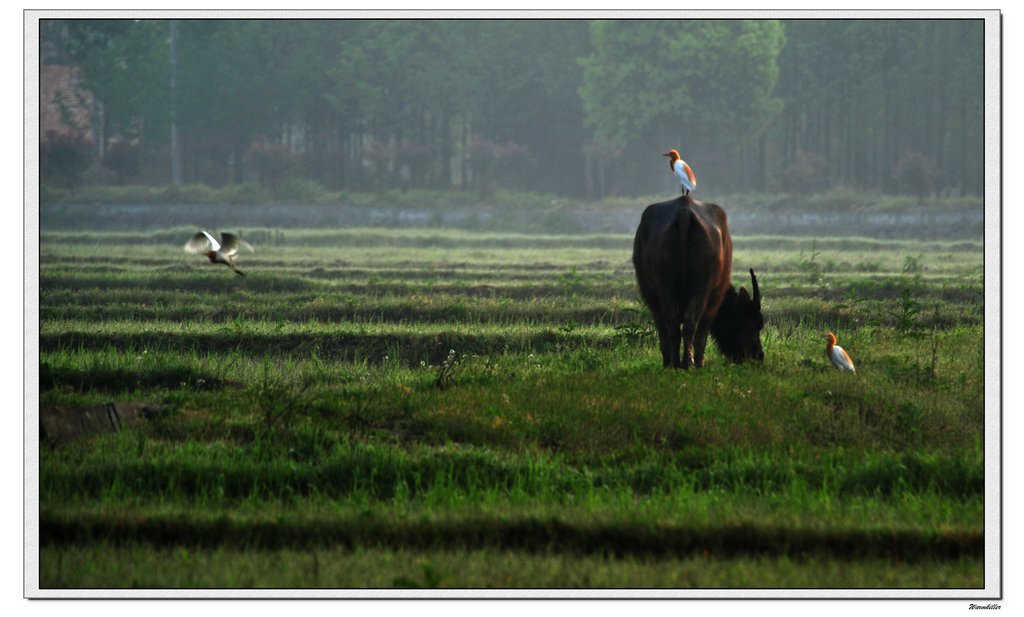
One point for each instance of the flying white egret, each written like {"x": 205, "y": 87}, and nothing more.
{"x": 222, "y": 252}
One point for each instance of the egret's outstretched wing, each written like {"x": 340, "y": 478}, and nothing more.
{"x": 232, "y": 243}
{"x": 202, "y": 242}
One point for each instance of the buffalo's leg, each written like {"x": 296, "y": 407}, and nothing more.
{"x": 689, "y": 330}
{"x": 669, "y": 344}
{"x": 673, "y": 331}
{"x": 700, "y": 342}
{"x": 675, "y": 338}
{"x": 665, "y": 341}
{"x": 668, "y": 330}
{"x": 668, "y": 333}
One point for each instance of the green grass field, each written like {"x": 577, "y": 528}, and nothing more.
{"x": 431, "y": 408}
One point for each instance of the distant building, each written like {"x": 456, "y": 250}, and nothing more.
{"x": 65, "y": 106}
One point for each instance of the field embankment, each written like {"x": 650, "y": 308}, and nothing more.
{"x": 837, "y": 212}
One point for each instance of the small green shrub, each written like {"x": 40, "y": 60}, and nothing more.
{"x": 245, "y": 193}
{"x": 300, "y": 189}
{"x": 912, "y": 264}
{"x": 446, "y": 370}
{"x": 571, "y": 280}
{"x": 189, "y": 194}
{"x": 905, "y": 312}
{"x": 809, "y": 264}
{"x": 844, "y": 199}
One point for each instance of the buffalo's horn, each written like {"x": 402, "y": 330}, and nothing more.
{"x": 757, "y": 291}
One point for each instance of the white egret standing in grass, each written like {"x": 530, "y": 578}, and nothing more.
{"x": 837, "y": 355}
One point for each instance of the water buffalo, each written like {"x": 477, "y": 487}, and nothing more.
{"x": 682, "y": 254}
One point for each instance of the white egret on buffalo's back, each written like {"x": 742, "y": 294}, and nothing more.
{"x": 682, "y": 171}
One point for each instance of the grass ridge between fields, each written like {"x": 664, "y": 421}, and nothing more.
{"x": 383, "y": 473}
{"x": 525, "y": 534}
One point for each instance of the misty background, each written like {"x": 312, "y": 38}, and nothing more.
{"x": 766, "y": 111}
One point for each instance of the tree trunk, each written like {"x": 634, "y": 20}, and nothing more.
{"x": 176, "y": 175}
{"x": 464, "y": 163}
{"x": 446, "y": 152}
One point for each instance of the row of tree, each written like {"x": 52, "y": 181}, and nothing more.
{"x": 569, "y": 107}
